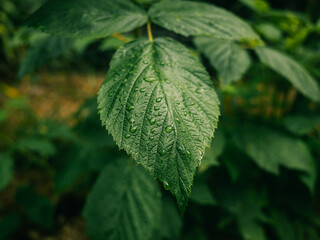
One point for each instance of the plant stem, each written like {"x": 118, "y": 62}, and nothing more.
{"x": 149, "y": 32}
{"x": 121, "y": 37}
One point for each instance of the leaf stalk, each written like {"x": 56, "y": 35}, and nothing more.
{"x": 149, "y": 31}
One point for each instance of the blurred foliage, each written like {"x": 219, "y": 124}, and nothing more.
{"x": 258, "y": 181}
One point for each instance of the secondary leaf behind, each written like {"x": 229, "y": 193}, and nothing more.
{"x": 81, "y": 18}
{"x": 124, "y": 204}
{"x": 42, "y": 51}
{"x": 271, "y": 149}
{"x": 195, "y": 19}
{"x": 228, "y": 58}
{"x": 291, "y": 70}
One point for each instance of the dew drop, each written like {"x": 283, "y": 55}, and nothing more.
{"x": 152, "y": 121}
{"x": 198, "y": 90}
{"x": 169, "y": 129}
{"x": 188, "y": 153}
{"x": 130, "y": 108}
{"x": 133, "y": 129}
{"x": 145, "y": 61}
{"x": 159, "y": 114}
{"x": 142, "y": 90}
{"x": 156, "y": 108}
{"x": 166, "y": 185}
{"x": 151, "y": 138}
{"x": 127, "y": 136}
{"x": 159, "y": 99}
{"x": 178, "y": 120}
{"x": 131, "y": 120}
{"x": 149, "y": 79}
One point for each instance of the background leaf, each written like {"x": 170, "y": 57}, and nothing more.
{"x": 210, "y": 158}
{"x": 42, "y": 51}
{"x": 291, "y": 70}
{"x": 125, "y": 203}
{"x": 194, "y": 19}
{"x": 38, "y": 208}
{"x": 9, "y": 224}
{"x": 202, "y": 194}
{"x": 302, "y": 124}
{"x": 6, "y": 170}
{"x": 160, "y": 106}
{"x": 80, "y": 18}
{"x": 256, "y": 5}
{"x": 171, "y": 221}
{"x": 271, "y": 149}
{"x": 228, "y": 58}
{"x": 246, "y": 206}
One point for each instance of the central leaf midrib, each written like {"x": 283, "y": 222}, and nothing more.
{"x": 187, "y": 107}
{"x": 153, "y": 58}
{"x": 170, "y": 109}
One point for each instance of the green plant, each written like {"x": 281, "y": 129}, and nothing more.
{"x": 159, "y": 104}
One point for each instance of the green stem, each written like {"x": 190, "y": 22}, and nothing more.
{"x": 149, "y": 32}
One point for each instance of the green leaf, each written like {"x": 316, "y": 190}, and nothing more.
{"x": 256, "y": 5}
{"x": 210, "y": 158}
{"x": 4, "y": 115}
{"x": 301, "y": 124}
{"x": 42, "y": 146}
{"x": 81, "y": 18}
{"x": 37, "y": 207}
{"x": 171, "y": 221}
{"x": 291, "y": 70}
{"x": 246, "y": 206}
{"x": 269, "y": 31}
{"x": 283, "y": 226}
{"x": 271, "y": 149}
{"x": 195, "y": 19}
{"x": 202, "y": 194}
{"x": 9, "y": 224}
{"x": 125, "y": 203}
{"x": 160, "y": 106}
{"x": 228, "y": 58}
{"x": 6, "y": 170}
{"x": 41, "y": 52}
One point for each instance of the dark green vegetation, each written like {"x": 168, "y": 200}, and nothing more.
{"x": 213, "y": 105}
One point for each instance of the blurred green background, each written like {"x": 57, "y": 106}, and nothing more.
{"x": 52, "y": 145}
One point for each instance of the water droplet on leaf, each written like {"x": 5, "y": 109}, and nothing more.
{"x": 127, "y": 136}
{"x": 169, "y": 129}
{"x": 133, "y": 129}
{"x": 152, "y": 121}
{"x": 166, "y": 185}
{"x": 149, "y": 79}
